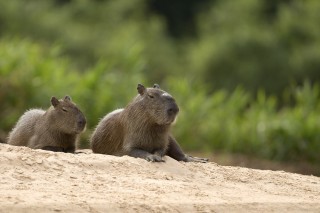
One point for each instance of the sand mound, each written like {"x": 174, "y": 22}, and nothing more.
{"x": 43, "y": 181}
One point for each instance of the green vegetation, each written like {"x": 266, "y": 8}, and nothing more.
{"x": 245, "y": 77}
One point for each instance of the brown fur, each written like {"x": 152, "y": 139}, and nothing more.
{"x": 141, "y": 129}
{"x": 56, "y": 129}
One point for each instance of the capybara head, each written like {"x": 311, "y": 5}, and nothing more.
{"x": 159, "y": 105}
{"x": 66, "y": 116}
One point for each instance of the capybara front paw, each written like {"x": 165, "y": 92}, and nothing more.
{"x": 154, "y": 158}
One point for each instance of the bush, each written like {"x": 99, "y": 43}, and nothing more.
{"x": 237, "y": 122}
{"x": 240, "y": 44}
{"x": 232, "y": 79}
{"x": 31, "y": 74}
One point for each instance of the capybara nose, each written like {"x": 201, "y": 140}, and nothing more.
{"x": 173, "y": 110}
{"x": 82, "y": 122}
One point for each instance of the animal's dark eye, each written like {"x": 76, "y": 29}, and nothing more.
{"x": 64, "y": 109}
{"x": 150, "y": 96}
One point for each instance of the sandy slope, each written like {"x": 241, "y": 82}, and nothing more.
{"x": 41, "y": 181}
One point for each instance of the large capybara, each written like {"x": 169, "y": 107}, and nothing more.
{"x": 141, "y": 129}
{"x": 56, "y": 129}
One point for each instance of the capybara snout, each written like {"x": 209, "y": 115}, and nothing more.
{"x": 173, "y": 109}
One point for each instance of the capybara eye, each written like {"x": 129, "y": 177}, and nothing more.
{"x": 150, "y": 96}
{"x": 64, "y": 109}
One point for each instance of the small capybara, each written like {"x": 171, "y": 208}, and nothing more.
{"x": 141, "y": 129}
{"x": 56, "y": 129}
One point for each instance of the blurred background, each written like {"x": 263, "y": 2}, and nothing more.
{"x": 245, "y": 73}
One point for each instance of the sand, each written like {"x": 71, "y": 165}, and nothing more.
{"x": 43, "y": 181}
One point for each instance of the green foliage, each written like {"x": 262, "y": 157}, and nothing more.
{"x": 240, "y": 45}
{"x": 256, "y": 44}
{"x": 28, "y": 73}
{"x": 31, "y": 74}
{"x": 239, "y": 123}
{"x": 239, "y": 81}
{"x": 93, "y": 31}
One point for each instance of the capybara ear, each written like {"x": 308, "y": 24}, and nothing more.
{"x": 156, "y": 86}
{"x": 67, "y": 98}
{"x": 54, "y": 101}
{"x": 141, "y": 89}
